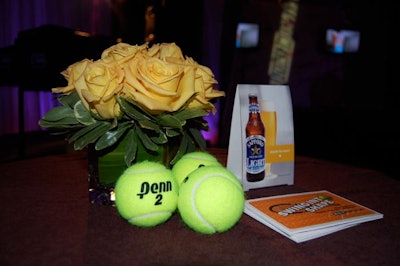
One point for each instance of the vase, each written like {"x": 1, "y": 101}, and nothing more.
{"x": 106, "y": 166}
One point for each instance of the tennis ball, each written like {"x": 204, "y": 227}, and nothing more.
{"x": 211, "y": 199}
{"x": 191, "y": 161}
{"x": 146, "y": 194}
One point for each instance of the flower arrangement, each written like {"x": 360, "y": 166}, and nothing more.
{"x": 150, "y": 95}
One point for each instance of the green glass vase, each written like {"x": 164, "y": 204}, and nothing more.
{"x": 106, "y": 166}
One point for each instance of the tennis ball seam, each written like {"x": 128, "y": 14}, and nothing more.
{"x": 200, "y": 158}
{"x": 193, "y": 203}
{"x": 147, "y": 215}
{"x": 193, "y": 194}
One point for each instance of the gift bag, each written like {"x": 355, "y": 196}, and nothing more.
{"x": 277, "y": 146}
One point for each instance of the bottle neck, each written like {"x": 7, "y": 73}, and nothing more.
{"x": 254, "y": 107}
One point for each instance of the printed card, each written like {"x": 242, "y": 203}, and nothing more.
{"x": 275, "y": 106}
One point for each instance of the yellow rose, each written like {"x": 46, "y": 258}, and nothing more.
{"x": 72, "y": 73}
{"x": 122, "y": 52}
{"x": 157, "y": 85}
{"x": 159, "y": 78}
{"x": 96, "y": 84}
{"x": 169, "y": 52}
{"x": 164, "y": 81}
{"x": 205, "y": 87}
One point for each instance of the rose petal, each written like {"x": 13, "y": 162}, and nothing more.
{"x": 151, "y": 104}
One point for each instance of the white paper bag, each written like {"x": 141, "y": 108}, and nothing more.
{"x": 279, "y": 155}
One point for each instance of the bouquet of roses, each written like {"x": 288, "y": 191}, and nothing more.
{"x": 149, "y": 95}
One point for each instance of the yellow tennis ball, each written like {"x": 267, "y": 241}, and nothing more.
{"x": 146, "y": 194}
{"x": 191, "y": 161}
{"x": 211, "y": 200}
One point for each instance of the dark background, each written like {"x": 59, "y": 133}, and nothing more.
{"x": 346, "y": 107}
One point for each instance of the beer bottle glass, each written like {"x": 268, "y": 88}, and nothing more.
{"x": 255, "y": 142}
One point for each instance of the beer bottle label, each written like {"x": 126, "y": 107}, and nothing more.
{"x": 254, "y": 108}
{"x": 255, "y": 154}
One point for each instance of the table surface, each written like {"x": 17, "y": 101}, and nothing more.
{"x": 46, "y": 219}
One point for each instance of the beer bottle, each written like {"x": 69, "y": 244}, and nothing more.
{"x": 255, "y": 142}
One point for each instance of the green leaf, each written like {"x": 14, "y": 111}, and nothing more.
{"x": 69, "y": 100}
{"x": 186, "y": 114}
{"x": 86, "y": 130}
{"x": 198, "y": 138}
{"x": 182, "y": 149}
{"x": 168, "y": 120}
{"x": 144, "y": 119}
{"x": 191, "y": 146}
{"x": 131, "y": 147}
{"x": 172, "y": 132}
{"x": 147, "y": 142}
{"x": 198, "y": 122}
{"x": 161, "y": 138}
{"x": 149, "y": 125}
{"x": 111, "y": 137}
{"x": 82, "y": 114}
{"x": 67, "y": 122}
{"x": 82, "y": 132}
{"x": 137, "y": 106}
{"x": 131, "y": 111}
{"x": 95, "y": 132}
{"x": 58, "y": 113}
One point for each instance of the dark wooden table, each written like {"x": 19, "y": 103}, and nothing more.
{"x": 46, "y": 220}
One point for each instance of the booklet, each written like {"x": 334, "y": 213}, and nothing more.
{"x": 308, "y": 215}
